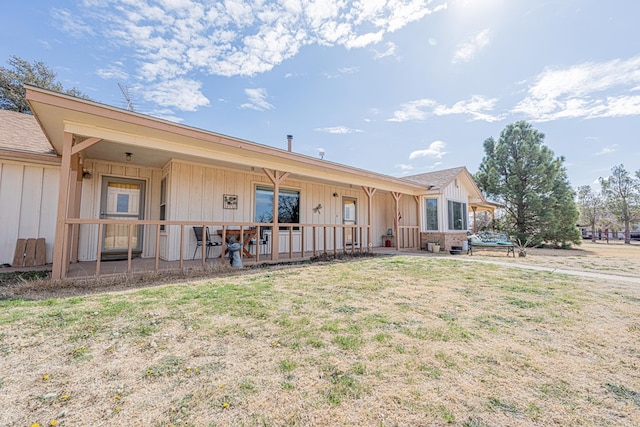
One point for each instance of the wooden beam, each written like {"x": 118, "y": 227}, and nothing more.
{"x": 397, "y": 196}
{"x": 419, "y": 216}
{"x": 369, "y": 191}
{"x": 474, "y": 209}
{"x": 60, "y": 263}
{"x": 276, "y": 177}
{"x": 84, "y": 145}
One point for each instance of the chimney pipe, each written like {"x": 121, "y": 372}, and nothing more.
{"x": 289, "y": 140}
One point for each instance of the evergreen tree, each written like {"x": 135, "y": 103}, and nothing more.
{"x": 522, "y": 174}
{"x": 21, "y": 72}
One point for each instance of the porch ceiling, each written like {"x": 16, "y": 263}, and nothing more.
{"x": 154, "y": 142}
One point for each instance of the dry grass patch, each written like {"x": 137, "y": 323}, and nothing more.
{"x": 387, "y": 341}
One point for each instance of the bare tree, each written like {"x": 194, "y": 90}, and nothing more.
{"x": 591, "y": 208}
{"x": 21, "y": 72}
{"x": 621, "y": 192}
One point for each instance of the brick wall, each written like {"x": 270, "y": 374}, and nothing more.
{"x": 446, "y": 240}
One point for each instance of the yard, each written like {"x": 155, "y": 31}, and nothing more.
{"x": 382, "y": 341}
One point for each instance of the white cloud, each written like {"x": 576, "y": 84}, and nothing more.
{"x": 257, "y": 100}
{"x": 607, "y": 150}
{"x": 390, "y": 50}
{"x": 175, "y": 39}
{"x": 465, "y": 52}
{"x": 341, "y": 130}
{"x": 349, "y": 70}
{"x": 70, "y": 23}
{"x": 180, "y": 93}
{"x": 113, "y": 71}
{"x": 404, "y": 167}
{"x": 435, "y": 150}
{"x": 584, "y": 91}
{"x": 478, "y": 107}
{"x": 413, "y": 110}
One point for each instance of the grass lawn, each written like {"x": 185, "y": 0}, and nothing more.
{"x": 382, "y": 341}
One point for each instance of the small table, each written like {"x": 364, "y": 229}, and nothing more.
{"x": 249, "y": 233}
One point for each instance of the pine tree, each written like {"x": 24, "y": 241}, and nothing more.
{"x": 521, "y": 173}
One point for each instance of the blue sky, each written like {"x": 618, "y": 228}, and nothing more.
{"x": 398, "y": 87}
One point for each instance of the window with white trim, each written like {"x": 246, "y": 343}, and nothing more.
{"x": 457, "y": 213}
{"x": 432, "y": 214}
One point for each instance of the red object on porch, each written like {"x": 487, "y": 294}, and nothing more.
{"x": 387, "y": 243}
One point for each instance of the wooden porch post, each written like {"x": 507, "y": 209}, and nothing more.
{"x": 396, "y": 197}
{"x": 474, "y": 209}
{"x": 419, "y": 216}
{"x": 369, "y": 192}
{"x": 60, "y": 258}
{"x": 276, "y": 177}
{"x": 75, "y": 194}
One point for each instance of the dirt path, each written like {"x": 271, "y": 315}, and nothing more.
{"x": 612, "y": 261}
{"x": 581, "y": 273}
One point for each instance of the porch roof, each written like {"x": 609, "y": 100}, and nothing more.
{"x": 436, "y": 181}
{"x": 153, "y": 142}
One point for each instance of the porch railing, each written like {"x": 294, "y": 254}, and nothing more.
{"x": 408, "y": 236}
{"x": 299, "y": 240}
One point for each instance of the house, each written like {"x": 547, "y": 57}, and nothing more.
{"x": 451, "y": 194}
{"x": 132, "y": 186}
{"x": 29, "y": 179}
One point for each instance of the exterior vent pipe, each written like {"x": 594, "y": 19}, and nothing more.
{"x": 289, "y": 141}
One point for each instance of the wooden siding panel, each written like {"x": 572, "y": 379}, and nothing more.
{"x": 48, "y": 206}
{"x": 208, "y": 199}
{"x": 29, "y": 226}
{"x": 458, "y": 194}
{"x": 28, "y": 197}
{"x": 10, "y": 195}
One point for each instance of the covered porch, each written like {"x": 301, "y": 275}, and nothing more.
{"x": 133, "y": 187}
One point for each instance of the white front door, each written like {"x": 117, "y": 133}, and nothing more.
{"x": 349, "y": 217}
{"x": 121, "y": 199}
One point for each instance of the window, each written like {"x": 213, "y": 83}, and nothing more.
{"x": 163, "y": 201}
{"x": 288, "y": 205}
{"x": 457, "y": 215}
{"x": 432, "y": 215}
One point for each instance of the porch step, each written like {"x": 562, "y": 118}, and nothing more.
{"x": 30, "y": 253}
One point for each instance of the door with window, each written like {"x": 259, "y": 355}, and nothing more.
{"x": 121, "y": 199}
{"x": 349, "y": 217}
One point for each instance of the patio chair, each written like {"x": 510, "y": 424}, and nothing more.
{"x": 263, "y": 243}
{"x": 199, "y": 241}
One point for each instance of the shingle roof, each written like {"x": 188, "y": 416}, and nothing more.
{"x": 21, "y": 132}
{"x": 436, "y": 180}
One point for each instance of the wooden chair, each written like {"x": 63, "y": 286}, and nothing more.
{"x": 199, "y": 241}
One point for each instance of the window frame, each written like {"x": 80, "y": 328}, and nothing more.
{"x": 427, "y": 217}
{"x": 451, "y": 211}
{"x": 163, "y": 202}
{"x": 281, "y": 192}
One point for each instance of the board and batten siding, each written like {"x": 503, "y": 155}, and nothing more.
{"x": 455, "y": 192}
{"x": 28, "y": 205}
{"x": 90, "y": 203}
{"x": 195, "y": 193}
{"x": 451, "y": 192}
